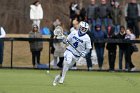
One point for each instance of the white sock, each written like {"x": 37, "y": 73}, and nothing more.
{"x": 64, "y": 71}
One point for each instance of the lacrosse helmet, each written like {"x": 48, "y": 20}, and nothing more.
{"x": 83, "y": 27}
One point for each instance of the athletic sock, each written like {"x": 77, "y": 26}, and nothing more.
{"x": 57, "y": 77}
{"x": 64, "y": 71}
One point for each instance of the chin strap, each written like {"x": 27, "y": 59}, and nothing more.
{"x": 80, "y": 33}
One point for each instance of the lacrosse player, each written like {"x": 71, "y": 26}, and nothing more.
{"x": 79, "y": 45}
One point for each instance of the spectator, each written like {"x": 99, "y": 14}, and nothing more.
{"x": 111, "y": 47}
{"x": 129, "y": 51}
{"x": 74, "y": 12}
{"x": 2, "y": 35}
{"x": 59, "y": 48}
{"x": 103, "y": 14}
{"x": 56, "y": 23}
{"x": 82, "y": 10}
{"x": 111, "y": 6}
{"x": 98, "y": 34}
{"x": 75, "y": 26}
{"x": 92, "y": 14}
{"x": 35, "y": 46}
{"x": 112, "y": 3}
{"x": 116, "y": 14}
{"x": 121, "y": 36}
{"x": 132, "y": 14}
{"x": 36, "y": 13}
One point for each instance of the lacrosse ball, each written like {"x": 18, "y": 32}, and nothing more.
{"x": 48, "y": 71}
{"x": 54, "y": 84}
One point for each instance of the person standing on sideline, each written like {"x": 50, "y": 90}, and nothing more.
{"x": 128, "y": 54}
{"x": 98, "y": 34}
{"x": 111, "y": 47}
{"x": 2, "y": 34}
{"x": 132, "y": 14}
{"x": 121, "y": 35}
{"x": 35, "y": 46}
{"x": 78, "y": 41}
{"x": 91, "y": 14}
{"x": 36, "y": 13}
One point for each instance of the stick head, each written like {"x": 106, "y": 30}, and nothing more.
{"x": 58, "y": 32}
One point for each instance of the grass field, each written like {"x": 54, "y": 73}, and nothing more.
{"x": 38, "y": 81}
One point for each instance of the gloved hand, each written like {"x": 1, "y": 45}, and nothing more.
{"x": 65, "y": 41}
{"x": 83, "y": 54}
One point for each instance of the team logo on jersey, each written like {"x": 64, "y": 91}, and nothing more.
{"x": 77, "y": 39}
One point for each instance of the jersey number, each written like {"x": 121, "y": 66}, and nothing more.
{"x": 75, "y": 44}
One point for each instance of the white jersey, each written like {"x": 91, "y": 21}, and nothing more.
{"x": 72, "y": 29}
{"x": 81, "y": 43}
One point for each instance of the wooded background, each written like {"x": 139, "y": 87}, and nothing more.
{"x": 14, "y": 14}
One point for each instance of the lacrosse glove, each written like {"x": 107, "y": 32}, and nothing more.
{"x": 83, "y": 54}
{"x": 65, "y": 41}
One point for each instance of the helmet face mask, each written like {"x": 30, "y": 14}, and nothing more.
{"x": 84, "y": 27}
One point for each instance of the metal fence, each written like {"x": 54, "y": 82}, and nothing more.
{"x": 48, "y": 53}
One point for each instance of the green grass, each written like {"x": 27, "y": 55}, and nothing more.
{"x": 37, "y": 81}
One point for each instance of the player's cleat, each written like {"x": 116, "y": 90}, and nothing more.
{"x": 57, "y": 78}
{"x": 61, "y": 80}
